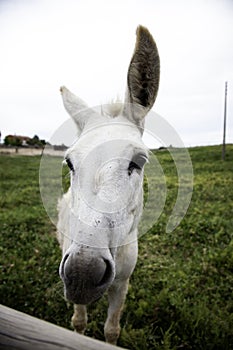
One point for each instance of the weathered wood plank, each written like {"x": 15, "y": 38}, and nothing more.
{"x": 21, "y": 331}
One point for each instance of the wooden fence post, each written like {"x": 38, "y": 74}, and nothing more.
{"x": 21, "y": 331}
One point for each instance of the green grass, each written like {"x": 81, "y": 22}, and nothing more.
{"x": 180, "y": 295}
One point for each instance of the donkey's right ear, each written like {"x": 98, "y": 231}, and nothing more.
{"x": 75, "y": 107}
{"x": 143, "y": 77}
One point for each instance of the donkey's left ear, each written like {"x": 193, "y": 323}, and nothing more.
{"x": 143, "y": 77}
{"x": 77, "y": 108}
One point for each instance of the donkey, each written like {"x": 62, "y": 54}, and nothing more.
{"x": 99, "y": 215}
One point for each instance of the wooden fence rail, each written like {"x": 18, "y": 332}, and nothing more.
{"x": 21, "y": 331}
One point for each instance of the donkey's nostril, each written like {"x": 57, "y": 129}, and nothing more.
{"x": 107, "y": 273}
{"x": 62, "y": 266}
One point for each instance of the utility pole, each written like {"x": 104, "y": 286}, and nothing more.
{"x": 224, "y": 124}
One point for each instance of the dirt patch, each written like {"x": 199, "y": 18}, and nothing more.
{"x": 30, "y": 151}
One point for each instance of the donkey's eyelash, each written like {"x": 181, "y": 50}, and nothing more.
{"x": 137, "y": 162}
{"x": 140, "y": 159}
{"x": 70, "y": 164}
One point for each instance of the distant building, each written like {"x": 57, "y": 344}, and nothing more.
{"x": 16, "y": 140}
{"x": 23, "y": 141}
{"x": 60, "y": 147}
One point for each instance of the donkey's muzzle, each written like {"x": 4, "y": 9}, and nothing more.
{"x": 86, "y": 274}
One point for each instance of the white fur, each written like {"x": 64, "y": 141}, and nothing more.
{"x": 109, "y": 182}
{"x": 99, "y": 215}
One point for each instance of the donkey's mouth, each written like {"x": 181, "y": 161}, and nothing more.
{"x": 84, "y": 297}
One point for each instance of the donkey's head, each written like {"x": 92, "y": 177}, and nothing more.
{"x": 106, "y": 164}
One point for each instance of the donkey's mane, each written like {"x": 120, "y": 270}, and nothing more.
{"x": 113, "y": 108}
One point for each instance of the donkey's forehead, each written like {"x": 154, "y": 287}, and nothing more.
{"x": 109, "y": 133}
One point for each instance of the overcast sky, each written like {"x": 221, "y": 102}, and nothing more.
{"x": 87, "y": 45}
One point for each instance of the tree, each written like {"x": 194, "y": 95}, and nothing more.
{"x": 11, "y": 140}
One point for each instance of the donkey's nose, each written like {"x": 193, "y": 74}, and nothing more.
{"x": 98, "y": 272}
{"x": 86, "y": 279}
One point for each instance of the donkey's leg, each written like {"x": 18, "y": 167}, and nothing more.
{"x": 116, "y": 297}
{"x": 79, "y": 318}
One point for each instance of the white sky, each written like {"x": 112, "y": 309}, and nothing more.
{"x": 87, "y": 45}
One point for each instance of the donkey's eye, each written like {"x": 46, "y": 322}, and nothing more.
{"x": 137, "y": 163}
{"x": 69, "y": 163}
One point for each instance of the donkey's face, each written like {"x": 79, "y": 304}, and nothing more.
{"x": 106, "y": 182}
{"x": 106, "y": 166}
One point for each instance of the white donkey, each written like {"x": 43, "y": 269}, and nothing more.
{"x": 99, "y": 215}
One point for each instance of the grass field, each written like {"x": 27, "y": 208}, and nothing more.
{"x": 180, "y": 295}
